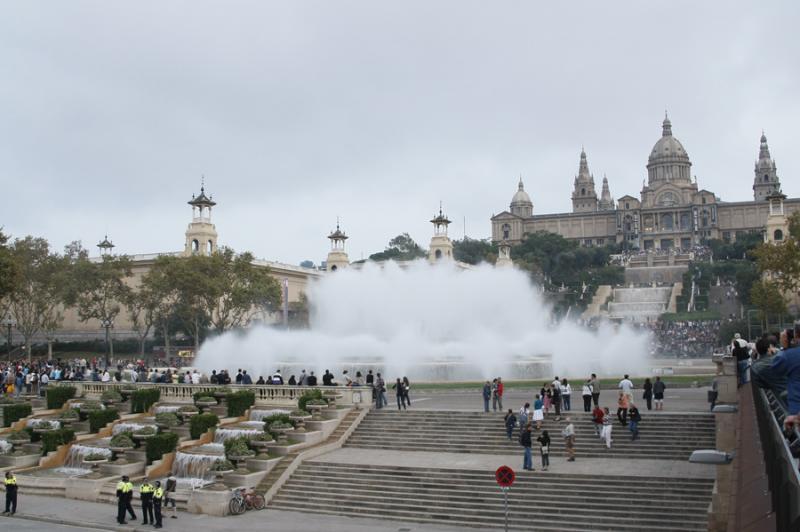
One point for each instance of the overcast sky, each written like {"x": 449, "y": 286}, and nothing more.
{"x": 297, "y": 112}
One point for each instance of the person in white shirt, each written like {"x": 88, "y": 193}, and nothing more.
{"x": 586, "y": 392}
{"x": 627, "y": 387}
{"x": 566, "y": 394}
{"x": 106, "y": 376}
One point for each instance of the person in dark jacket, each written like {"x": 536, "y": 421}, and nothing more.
{"x": 487, "y": 394}
{"x": 634, "y": 417}
{"x": 658, "y": 393}
{"x": 544, "y": 447}
{"x": 311, "y": 380}
{"x": 525, "y": 441}
{"x": 648, "y": 393}
{"x": 511, "y": 422}
{"x": 400, "y": 391}
{"x": 327, "y": 378}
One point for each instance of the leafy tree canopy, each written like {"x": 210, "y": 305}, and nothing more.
{"x": 401, "y": 247}
{"x": 474, "y": 251}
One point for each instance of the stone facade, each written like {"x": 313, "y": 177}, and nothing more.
{"x": 670, "y": 212}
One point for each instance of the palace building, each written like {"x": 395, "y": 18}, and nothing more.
{"x": 671, "y": 211}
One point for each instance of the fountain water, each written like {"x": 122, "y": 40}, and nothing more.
{"x": 74, "y": 464}
{"x": 220, "y": 435}
{"x": 5, "y": 447}
{"x": 431, "y": 322}
{"x": 193, "y": 468}
{"x": 253, "y": 424}
{"x": 259, "y": 415}
{"x": 37, "y": 423}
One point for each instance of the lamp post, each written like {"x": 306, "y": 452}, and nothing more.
{"x": 9, "y": 322}
{"x": 107, "y": 323}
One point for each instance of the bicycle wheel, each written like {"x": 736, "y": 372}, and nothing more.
{"x": 248, "y": 502}
{"x": 236, "y": 506}
{"x": 257, "y": 502}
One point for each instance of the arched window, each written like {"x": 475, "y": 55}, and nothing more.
{"x": 666, "y": 221}
{"x": 210, "y": 247}
{"x": 506, "y": 231}
{"x": 778, "y": 235}
{"x": 438, "y": 254}
{"x": 704, "y": 200}
{"x": 583, "y": 192}
{"x": 195, "y": 246}
{"x": 766, "y": 178}
{"x": 627, "y": 205}
{"x": 333, "y": 268}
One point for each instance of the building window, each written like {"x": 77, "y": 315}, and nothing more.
{"x": 666, "y": 222}
{"x": 333, "y": 268}
{"x": 627, "y": 205}
{"x": 766, "y": 178}
{"x": 195, "y": 246}
{"x": 778, "y": 235}
{"x": 726, "y": 236}
{"x": 438, "y": 254}
{"x": 600, "y": 241}
{"x": 704, "y": 200}
{"x": 583, "y": 192}
{"x": 506, "y": 231}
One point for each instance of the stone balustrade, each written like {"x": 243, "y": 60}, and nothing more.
{"x": 266, "y": 395}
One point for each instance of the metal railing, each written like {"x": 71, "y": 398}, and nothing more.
{"x": 782, "y": 467}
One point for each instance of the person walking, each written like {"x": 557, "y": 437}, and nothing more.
{"x": 525, "y": 441}
{"x": 648, "y": 393}
{"x": 158, "y": 498}
{"x": 524, "y": 416}
{"x": 407, "y": 390}
{"x": 511, "y": 422}
{"x": 608, "y": 425}
{"x": 400, "y": 393}
{"x": 569, "y": 440}
{"x": 11, "y": 493}
{"x": 379, "y": 389}
{"x": 169, "y": 493}
{"x": 497, "y": 397}
{"x": 487, "y": 394}
{"x": 544, "y": 448}
{"x": 658, "y": 393}
{"x": 627, "y": 387}
{"x": 622, "y": 408}
{"x": 566, "y": 394}
{"x": 635, "y": 417}
{"x": 538, "y": 412}
{"x": 124, "y": 496}
{"x": 146, "y": 495}
{"x": 598, "y": 416}
{"x": 547, "y": 397}
{"x": 555, "y": 388}
{"x": 595, "y": 384}
{"x": 586, "y": 393}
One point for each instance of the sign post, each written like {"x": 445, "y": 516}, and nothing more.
{"x": 505, "y": 477}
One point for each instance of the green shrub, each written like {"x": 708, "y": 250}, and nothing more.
{"x": 123, "y": 439}
{"x": 238, "y": 447}
{"x": 58, "y": 395}
{"x": 159, "y": 445}
{"x": 209, "y": 393}
{"x": 15, "y": 412}
{"x": 222, "y": 465}
{"x": 277, "y": 418}
{"x": 100, "y": 418}
{"x": 143, "y": 399}
{"x": 204, "y": 398}
{"x": 111, "y": 395}
{"x": 70, "y": 415}
{"x": 87, "y": 407}
{"x": 53, "y": 438}
{"x": 147, "y": 431}
{"x": 310, "y": 395}
{"x": 200, "y": 423}
{"x": 168, "y": 419}
{"x": 239, "y": 402}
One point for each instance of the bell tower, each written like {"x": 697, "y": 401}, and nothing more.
{"x": 201, "y": 235}
{"x": 337, "y": 256}
{"x": 766, "y": 182}
{"x": 441, "y": 247}
{"x": 584, "y": 196}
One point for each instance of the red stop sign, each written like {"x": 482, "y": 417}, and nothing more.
{"x": 505, "y": 476}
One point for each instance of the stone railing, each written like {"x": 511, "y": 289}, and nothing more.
{"x": 266, "y": 395}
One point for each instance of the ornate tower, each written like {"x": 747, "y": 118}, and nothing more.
{"x": 584, "y": 197}
{"x": 606, "y": 201}
{"x": 201, "y": 235}
{"x": 337, "y": 257}
{"x": 777, "y": 224}
{"x": 766, "y": 180}
{"x": 105, "y": 247}
{"x": 441, "y": 247}
{"x": 521, "y": 204}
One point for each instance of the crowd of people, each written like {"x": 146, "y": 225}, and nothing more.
{"x": 684, "y": 338}
{"x": 556, "y": 396}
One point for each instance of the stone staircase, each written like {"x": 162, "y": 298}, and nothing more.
{"x": 538, "y": 501}
{"x": 662, "y": 436}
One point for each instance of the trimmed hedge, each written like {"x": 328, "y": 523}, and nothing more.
{"x": 15, "y": 412}
{"x": 53, "y": 438}
{"x": 239, "y": 402}
{"x": 310, "y": 395}
{"x": 100, "y": 418}
{"x": 58, "y": 395}
{"x": 142, "y": 400}
{"x": 200, "y": 423}
{"x": 159, "y": 445}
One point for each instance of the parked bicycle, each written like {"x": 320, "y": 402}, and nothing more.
{"x": 241, "y": 501}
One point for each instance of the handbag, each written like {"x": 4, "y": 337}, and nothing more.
{"x": 545, "y": 449}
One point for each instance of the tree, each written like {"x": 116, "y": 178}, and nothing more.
{"x": 141, "y": 304}
{"x": 36, "y": 298}
{"x": 401, "y": 247}
{"x": 163, "y": 295}
{"x": 307, "y": 264}
{"x": 780, "y": 262}
{"x": 474, "y": 251}
{"x": 98, "y": 290}
{"x": 768, "y": 298}
{"x": 9, "y": 269}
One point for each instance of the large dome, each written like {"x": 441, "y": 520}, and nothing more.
{"x": 668, "y": 160}
{"x": 521, "y": 203}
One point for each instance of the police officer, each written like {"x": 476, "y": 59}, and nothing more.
{"x": 11, "y": 493}
{"x": 146, "y": 493}
{"x": 124, "y": 498}
{"x": 158, "y": 497}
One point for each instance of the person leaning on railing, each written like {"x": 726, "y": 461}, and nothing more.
{"x": 787, "y": 362}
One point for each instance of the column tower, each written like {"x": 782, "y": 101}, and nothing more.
{"x": 201, "y": 235}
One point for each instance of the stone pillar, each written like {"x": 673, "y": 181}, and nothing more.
{"x": 726, "y": 428}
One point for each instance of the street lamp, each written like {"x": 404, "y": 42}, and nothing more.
{"x": 8, "y": 322}
{"x": 107, "y": 323}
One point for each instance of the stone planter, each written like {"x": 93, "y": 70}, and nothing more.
{"x": 119, "y": 453}
{"x": 316, "y": 411}
{"x": 236, "y": 459}
{"x": 94, "y": 464}
{"x": 202, "y": 405}
{"x": 261, "y": 446}
{"x": 300, "y": 422}
{"x": 283, "y": 439}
